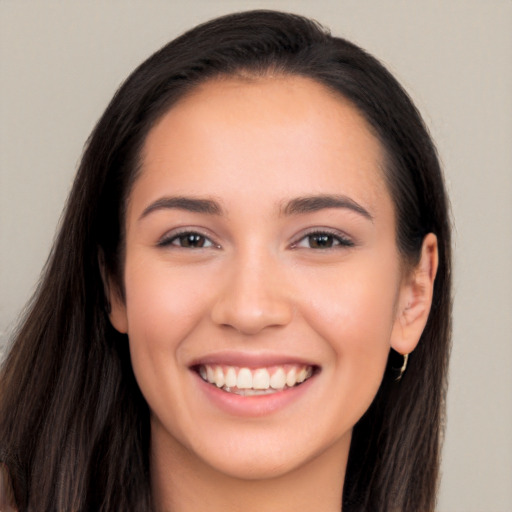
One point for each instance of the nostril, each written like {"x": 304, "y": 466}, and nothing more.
{"x": 254, "y": 295}
{"x": 250, "y": 319}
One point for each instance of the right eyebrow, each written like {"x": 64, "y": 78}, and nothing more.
{"x": 189, "y": 204}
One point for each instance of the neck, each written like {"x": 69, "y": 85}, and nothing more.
{"x": 181, "y": 482}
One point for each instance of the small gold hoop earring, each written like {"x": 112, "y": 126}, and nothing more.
{"x": 401, "y": 371}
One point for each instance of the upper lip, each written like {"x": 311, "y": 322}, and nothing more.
{"x": 249, "y": 360}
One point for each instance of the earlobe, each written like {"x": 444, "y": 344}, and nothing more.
{"x": 116, "y": 307}
{"x": 117, "y": 313}
{"x": 415, "y": 299}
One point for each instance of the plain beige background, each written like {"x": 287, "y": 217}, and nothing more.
{"x": 60, "y": 63}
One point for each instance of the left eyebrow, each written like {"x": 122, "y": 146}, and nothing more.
{"x": 310, "y": 204}
{"x": 189, "y": 204}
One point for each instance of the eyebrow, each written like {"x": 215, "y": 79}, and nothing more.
{"x": 189, "y": 204}
{"x": 297, "y": 206}
{"x": 311, "y": 204}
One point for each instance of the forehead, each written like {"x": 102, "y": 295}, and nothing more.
{"x": 284, "y": 135}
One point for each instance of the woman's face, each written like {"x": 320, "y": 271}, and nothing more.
{"x": 260, "y": 252}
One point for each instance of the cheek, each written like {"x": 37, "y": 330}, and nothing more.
{"x": 162, "y": 304}
{"x": 163, "y": 308}
{"x": 358, "y": 326}
{"x": 355, "y": 311}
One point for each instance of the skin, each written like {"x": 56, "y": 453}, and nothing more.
{"x": 259, "y": 286}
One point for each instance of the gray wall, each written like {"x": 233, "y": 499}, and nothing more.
{"x": 61, "y": 61}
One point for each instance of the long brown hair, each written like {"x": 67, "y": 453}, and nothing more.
{"x": 74, "y": 427}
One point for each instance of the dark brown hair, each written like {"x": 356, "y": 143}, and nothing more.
{"x": 74, "y": 427}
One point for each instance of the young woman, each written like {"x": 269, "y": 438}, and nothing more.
{"x": 248, "y": 303}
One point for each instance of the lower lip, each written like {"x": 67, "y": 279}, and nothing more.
{"x": 253, "y": 406}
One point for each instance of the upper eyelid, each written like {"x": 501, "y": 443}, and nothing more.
{"x": 175, "y": 233}
{"x": 324, "y": 231}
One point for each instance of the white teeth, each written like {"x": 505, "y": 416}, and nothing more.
{"x": 251, "y": 392}
{"x": 231, "y": 379}
{"x": 219, "y": 377}
{"x": 261, "y": 379}
{"x": 291, "y": 377}
{"x": 278, "y": 380}
{"x": 210, "y": 376}
{"x": 244, "y": 380}
{"x": 247, "y": 382}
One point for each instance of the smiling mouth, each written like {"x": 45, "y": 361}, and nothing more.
{"x": 255, "y": 381}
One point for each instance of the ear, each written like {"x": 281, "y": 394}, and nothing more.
{"x": 116, "y": 304}
{"x": 117, "y": 314}
{"x": 415, "y": 299}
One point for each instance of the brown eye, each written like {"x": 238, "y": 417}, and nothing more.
{"x": 188, "y": 240}
{"x": 321, "y": 241}
{"x": 191, "y": 240}
{"x": 324, "y": 240}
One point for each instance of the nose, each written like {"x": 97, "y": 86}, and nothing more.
{"x": 254, "y": 296}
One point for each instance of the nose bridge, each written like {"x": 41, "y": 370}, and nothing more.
{"x": 255, "y": 294}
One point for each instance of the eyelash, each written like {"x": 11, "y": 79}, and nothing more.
{"x": 336, "y": 239}
{"x": 168, "y": 240}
